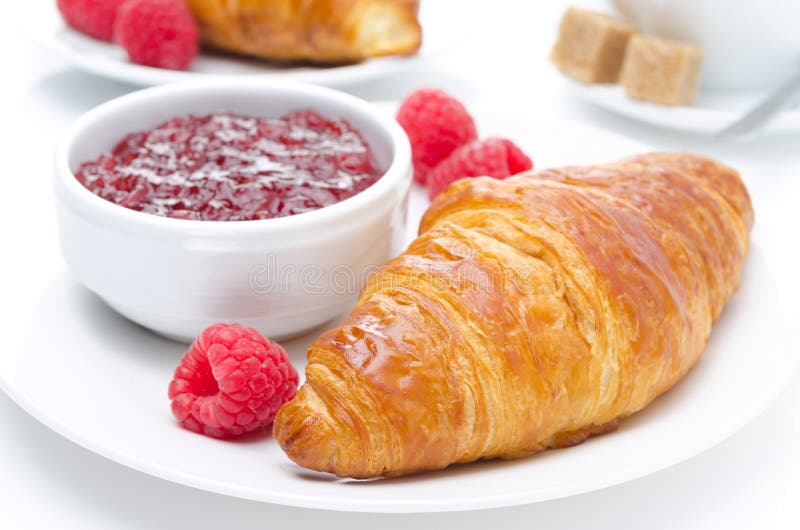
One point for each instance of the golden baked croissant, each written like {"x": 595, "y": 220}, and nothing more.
{"x": 530, "y": 313}
{"x": 322, "y": 31}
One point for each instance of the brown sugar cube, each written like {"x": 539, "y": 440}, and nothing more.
{"x": 661, "y": 70}
{"x": 590, "y": 46}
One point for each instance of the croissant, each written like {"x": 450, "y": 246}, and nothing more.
{"x": 530, "y": 313}
{"x": 321, "y": 31}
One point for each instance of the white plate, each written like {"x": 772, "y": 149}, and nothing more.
{"x": 101, "y": 381}
{"x": 710, "y": 113}
{"x": 43, "y": 23}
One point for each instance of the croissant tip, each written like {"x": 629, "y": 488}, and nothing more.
{"x": 305, "y": 435}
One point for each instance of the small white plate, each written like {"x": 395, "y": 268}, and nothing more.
{"x": 711, "y": 112}
{"x": 43, "y": 23}
{"x": 101, "y": 381}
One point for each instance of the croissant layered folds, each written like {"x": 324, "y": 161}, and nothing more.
{"x": 322, "y": 31}
{"x": 530, "y": 313}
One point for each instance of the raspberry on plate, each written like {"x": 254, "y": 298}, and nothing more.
{"x": 158, "y": 33}
{"x": 91, "y": 17}
{"x": 492, "y": 157}
{"x": 436, "y": 124}
{"x": 231, "y": 381}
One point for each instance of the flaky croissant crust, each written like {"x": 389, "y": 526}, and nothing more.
{"x": 530, "y": 313}
{"x": 321, "y": 31}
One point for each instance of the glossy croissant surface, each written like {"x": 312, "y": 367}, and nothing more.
{"x": 530, "y": 313}
{"x": 322, "y": 31}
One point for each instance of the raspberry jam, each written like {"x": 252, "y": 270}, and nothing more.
{"x": 229, "y": 167}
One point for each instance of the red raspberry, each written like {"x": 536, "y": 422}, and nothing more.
{"x": 92, "y": 17}
{"x": 230, "y": 382}
{"x": 436, "y": 124}
{"x": 159, "y": 33}
{"x": 491, "y": 157}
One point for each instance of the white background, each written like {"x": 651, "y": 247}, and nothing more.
{"x": 752, "y": 480}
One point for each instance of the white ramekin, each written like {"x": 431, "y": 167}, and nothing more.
{"x": 282, "y": 276}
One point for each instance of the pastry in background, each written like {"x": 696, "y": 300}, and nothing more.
{"x": 590, "y": 46}
{"x": 318, "y": 31}
{"x": 531, "y": 312}
{"x": 660, "y": 70}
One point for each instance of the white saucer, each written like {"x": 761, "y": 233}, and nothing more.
{"x": 101, "y": 381}
{"x": 711, "y": 112}
{"x": 43, "y": 23}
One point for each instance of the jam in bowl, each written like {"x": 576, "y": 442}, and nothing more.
{"x": 255, "y": 202}
{"x": 232, "y": 167}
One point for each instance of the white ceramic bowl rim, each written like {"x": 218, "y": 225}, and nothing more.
{"x": 86, "y": 201}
